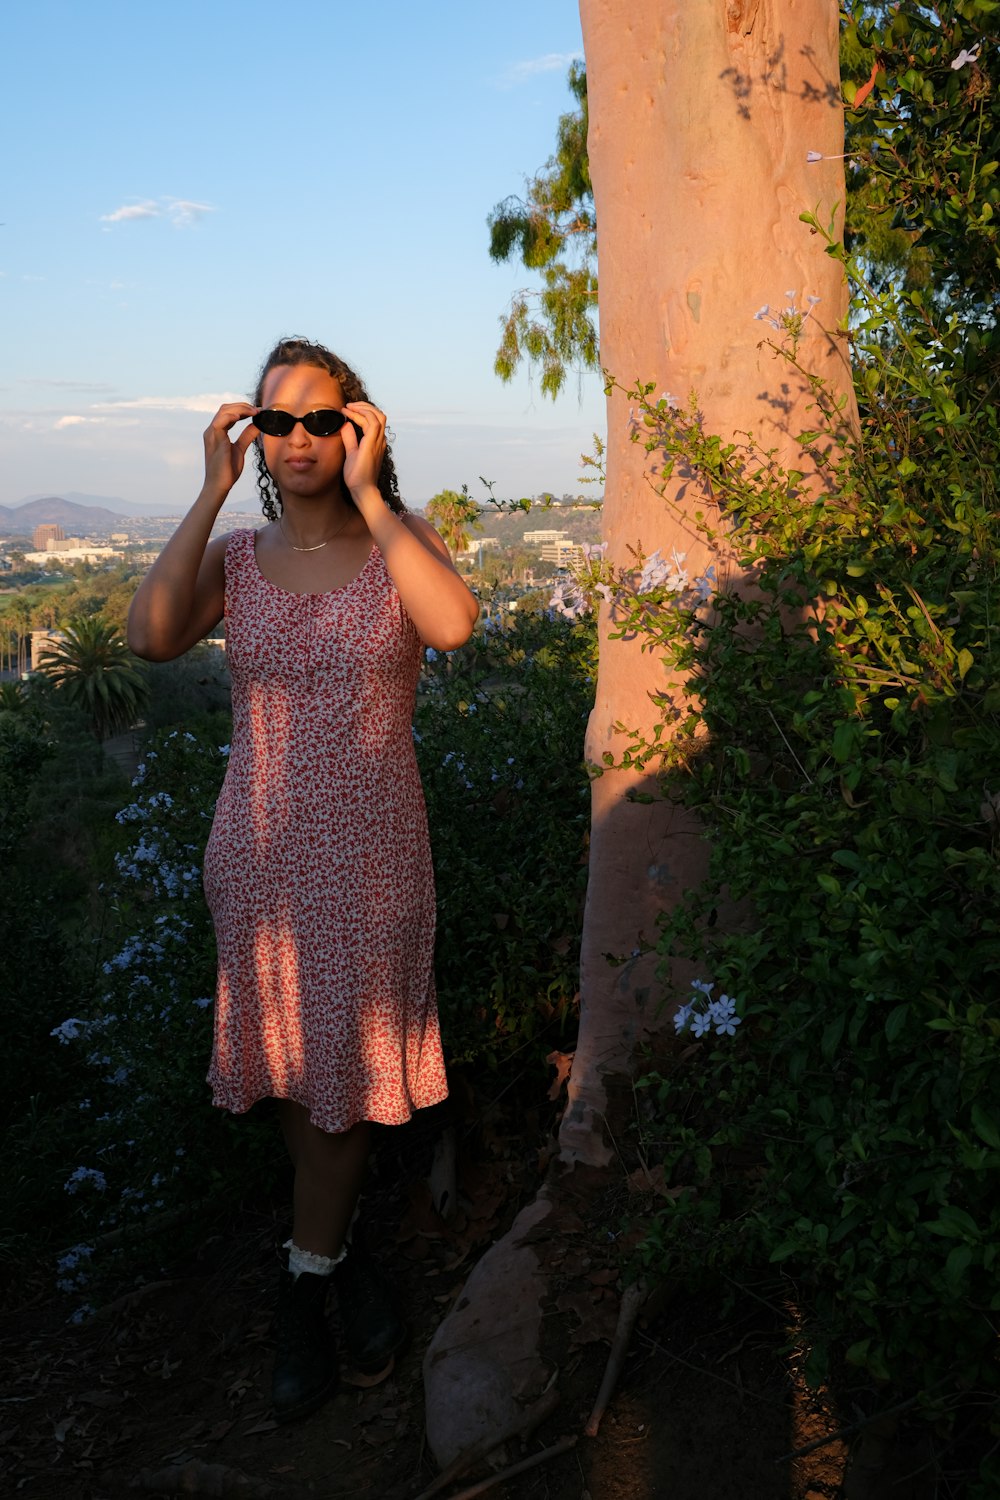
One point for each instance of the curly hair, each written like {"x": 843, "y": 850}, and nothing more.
{"x": 296, "y": 351}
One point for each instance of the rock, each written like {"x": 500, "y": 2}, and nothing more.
{"x": 484, "y": 1364}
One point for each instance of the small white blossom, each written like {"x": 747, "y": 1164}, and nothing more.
{"x": 569, "y": 600}
{"x": 70, "y": 1030}
{"x": 76, "y": 1180}
{"x": 967, "y": 55}
{"x": 658, "y": 573}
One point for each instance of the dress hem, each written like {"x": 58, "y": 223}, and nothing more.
{"x": 376, "y": 1117}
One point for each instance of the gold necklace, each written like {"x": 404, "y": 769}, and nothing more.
{"x": 319, "y": 545}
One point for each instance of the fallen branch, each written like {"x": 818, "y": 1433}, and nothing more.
{"x": 523, "y": 1426}
{"x": 563, "y": 1446}
{"x": 632, "y": 1299}
{"x": 853, "y": 1427}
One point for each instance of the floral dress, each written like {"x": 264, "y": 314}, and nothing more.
{"x": 318, "y": 871}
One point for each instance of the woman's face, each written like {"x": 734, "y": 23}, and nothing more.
{"x": 301, "y": 464}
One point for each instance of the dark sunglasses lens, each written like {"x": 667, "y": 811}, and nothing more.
{"x": 274, "y": 423}
{"x": 323, "y": 423}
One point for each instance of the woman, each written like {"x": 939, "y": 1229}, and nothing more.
{"x": 317, "y": 870}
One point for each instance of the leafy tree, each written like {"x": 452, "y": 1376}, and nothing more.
{"x": 455, "y": 517}
{"x": 97, "y": 672}
{"x": 553, "y": 229}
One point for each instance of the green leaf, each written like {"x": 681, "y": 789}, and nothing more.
{"x": 895, "y": 1021}
{"x": 985, "y": 1126}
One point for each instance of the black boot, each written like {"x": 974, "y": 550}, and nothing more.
{"x": 373, "y": 1328}
{"x": 305, "y": 1362}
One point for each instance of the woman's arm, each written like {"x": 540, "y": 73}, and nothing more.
{"x": 434, "y": 595}
{"x": 182, "y": 596}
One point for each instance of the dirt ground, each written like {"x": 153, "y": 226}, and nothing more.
{"x": 166, "y": 1391}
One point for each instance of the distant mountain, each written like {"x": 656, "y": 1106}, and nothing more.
{"x": 114, "y": 503}
{"x": 76, "y": 520}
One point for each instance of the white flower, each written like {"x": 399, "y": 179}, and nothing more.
{"x": 701, "y": 986}
{"x": 700, "y": 1023}
{"x": 814, "y": 156}
{"x": 69, "y": 1030}
{"x": 727, "y": 1027}
{"x": 966, "y": 56}
{"x": 656, "y": 573}
{"x": 705, "y": 585}
{"x": 762, "y": 312}
{"x": 76, "y": 1180}
{"x": 721, "y": 1007}
{"x": 569, "y": 601}
{"x": 681, "y": 1018}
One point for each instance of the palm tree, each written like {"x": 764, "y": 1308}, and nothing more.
{"x": 93, "y": 667}
{"x": 455, "y": 516}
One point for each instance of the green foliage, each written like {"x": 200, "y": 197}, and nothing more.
{"x": 499, "y": 730}
{"x": 837, "y": 727}
{"x": 96, "y": 672}
{"x": 552, "y": 230}
{"x": 848, "y": 1134}
{"x": 37, "y": 976}
{"x": 923, "y": 147}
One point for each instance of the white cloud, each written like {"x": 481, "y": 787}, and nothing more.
{"x": 182, "y": 212}
{"x": 530, "y": 67}
{"x": 207, "y": 402}
{"x": 147, "y": 210}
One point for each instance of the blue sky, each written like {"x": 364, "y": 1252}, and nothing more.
{"x": 185, "y": 183}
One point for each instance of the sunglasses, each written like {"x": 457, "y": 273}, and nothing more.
{"x": 322, "y": 423}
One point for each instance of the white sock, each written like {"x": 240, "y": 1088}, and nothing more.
{"x": 316, "y": 1265}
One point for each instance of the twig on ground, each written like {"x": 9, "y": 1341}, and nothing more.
{"x": 523, "y": 1426}
{"x": 632, "y": 1299}
{"x": 842, "y": 1432}
{"x": 563, "y": 1446}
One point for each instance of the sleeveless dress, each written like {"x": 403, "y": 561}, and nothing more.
{"x": 317, "y": 870}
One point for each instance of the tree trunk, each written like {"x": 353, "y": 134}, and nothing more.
{"x": 702, "y": 116}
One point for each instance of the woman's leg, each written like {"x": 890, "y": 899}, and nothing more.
{"x": 329, "y": 1171}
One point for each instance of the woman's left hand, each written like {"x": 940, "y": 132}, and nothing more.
{"x": 363, "y": 457}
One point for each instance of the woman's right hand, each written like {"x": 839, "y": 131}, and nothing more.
{"x": 224, "y": 457}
